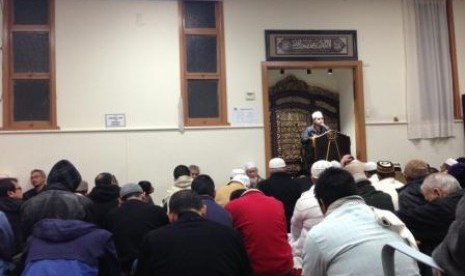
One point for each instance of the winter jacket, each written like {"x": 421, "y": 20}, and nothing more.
{"x": 11, "y": 206}
{"x": 410, "y": 196}
{"x": 281, "y": 186}
{"x": 6, "y": 244}
{"x": 104, "y": 199}
{"x": 181, "y": 183}
{"x": 451, "y": 252}
{"x": 58, "y": 200}
{"x": 429, "y": 222}
{"x": 129, "y": 223}
{"x": 70, "y": 247}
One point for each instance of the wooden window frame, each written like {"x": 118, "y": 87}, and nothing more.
{"x": 453, "y": 60}
{"x": 9, "y": 76}
{"x": 220, "y": 75}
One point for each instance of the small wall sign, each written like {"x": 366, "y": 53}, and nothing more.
{"x": 115, "y": 120}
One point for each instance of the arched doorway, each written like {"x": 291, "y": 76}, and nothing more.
{"x": 357, "y": 125}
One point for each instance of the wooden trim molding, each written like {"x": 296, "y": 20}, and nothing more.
{"x": 9, "y": 76}
{"x": 220, "y": 75}
{"x": 453, "y": 60}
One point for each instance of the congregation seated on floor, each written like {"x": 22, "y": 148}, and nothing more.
{"x": 265, "y": 227}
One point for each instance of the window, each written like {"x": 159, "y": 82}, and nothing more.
{"x": 202, "y": 63}
{"x": 28, "y": 65}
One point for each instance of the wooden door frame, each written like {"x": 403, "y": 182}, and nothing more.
{"x": 359, "y": 106}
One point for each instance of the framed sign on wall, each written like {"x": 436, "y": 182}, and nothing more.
{"x": 311, "y": 45}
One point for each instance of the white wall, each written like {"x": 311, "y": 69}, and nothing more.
{"x": 123, "y": 57}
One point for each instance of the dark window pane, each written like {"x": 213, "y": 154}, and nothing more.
{"x": 30, "y": 12}
{"x": 202, "y": 97}
{"x": 30, "y": 52}
{"x": 200, "y": 15}
{"x": 201, "y": 53}
{"x": 31, "y": 100}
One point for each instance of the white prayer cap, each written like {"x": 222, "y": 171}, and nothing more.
{"x": 317, "y": 114}
{"x": 318, "y": 167}
{"x": 244, "y": 179}
{"x": 369, "y": 166}
{"x": 250, "y": 165}
{"x": 450, "y": 161}
{"x": 336, "y": 164}
{"x": 277, "y": 163}
{"x": 235, "y": 172}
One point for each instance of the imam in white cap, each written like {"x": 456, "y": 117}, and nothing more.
{"x": 317, "y": 114}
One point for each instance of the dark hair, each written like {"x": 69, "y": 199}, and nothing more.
{"x": 383, "y": 175}
{"x": 104, "y": 179}
{"x": 203, "y": 185}
{"x": 236, "y": 194}
{"x": 38, "y": 171}
{"x": 181, "y": 170}
{"x": 333, "y": 184}
{"x": 458, "y": 171}
{"x": 183, "y": 201}
{"x": 146, "y": 186}
{"x": 7, "y": 185}
{"x": 461, "y": 159}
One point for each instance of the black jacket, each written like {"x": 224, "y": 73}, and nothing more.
{"x": 11, "y": 207}
{"x": 410, "y": 196}
{"x": 429, "y": 222}
{"x": 451, "y": 252}
{"x": 129, "y": 223}
{"x": 281, "y": 186}
{"x": 104, "y": 198}
{"x": 193, "y": 246}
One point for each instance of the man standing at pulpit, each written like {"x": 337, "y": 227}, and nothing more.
{"x": 317, "y": 128}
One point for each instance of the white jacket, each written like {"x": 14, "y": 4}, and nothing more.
{"x": 307, "y": 213}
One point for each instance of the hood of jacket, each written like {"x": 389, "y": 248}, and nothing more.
{"x": 183, "y": 182}
{"x": 61, "y": 230}
{"x": 63, "y": 176}
{"x": 104, "y": 193}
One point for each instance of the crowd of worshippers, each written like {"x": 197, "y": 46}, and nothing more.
{"x": 332, "y": 222}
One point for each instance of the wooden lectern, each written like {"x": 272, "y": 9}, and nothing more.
{"x": 331, "y": 145}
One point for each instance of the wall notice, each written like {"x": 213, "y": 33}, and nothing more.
{"x": 115, "y": 120}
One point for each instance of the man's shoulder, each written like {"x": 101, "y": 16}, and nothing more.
{"x": 306, "y": 200}
{"x": 56, "y": 195}
{"x": 211, "y": 203}
{"x": 343, "y": 223}
{"x": 29, "y": 192}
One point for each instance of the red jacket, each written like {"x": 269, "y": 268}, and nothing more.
{"x": 261, "y": 221}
